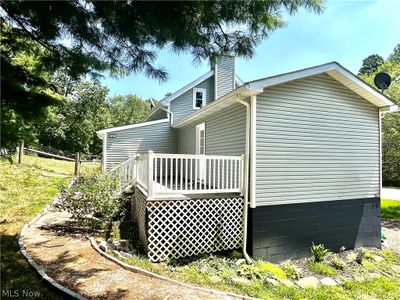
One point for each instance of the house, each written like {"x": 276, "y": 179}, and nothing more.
{"x": 269, "y": 166}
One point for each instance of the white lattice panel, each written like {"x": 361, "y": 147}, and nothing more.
{"x": 139, "y": 213}
{"x": 181, "y": 228}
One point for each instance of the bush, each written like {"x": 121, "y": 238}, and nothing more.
{"x": 291, "y": 271}
{"x": 272, "y": 269}
{"x": 94, "y": 198}
{"x": 338, "y": 263}
{"x": 319, "y": 252}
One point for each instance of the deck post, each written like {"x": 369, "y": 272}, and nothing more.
{"x": 150, "y": 186}
{"x": 242, "y": 174}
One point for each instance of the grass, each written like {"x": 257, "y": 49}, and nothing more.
{"x": 390, "y": 209}
{"x": 24, "y": 192}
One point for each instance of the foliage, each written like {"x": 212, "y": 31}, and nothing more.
{"x": 94, "y": 197}
{"x": 222, "y": 273}
{"x": 338, "y": 263}
{"x": 24, "y": 192}
{"x": 322, "y": 268}
{"x": 291, "y": 271}
{"x": 391, "y": 121}
{"x": 319, "y": 252}
{"x": 272, "y": 269}
{"x": 371, "y": 64}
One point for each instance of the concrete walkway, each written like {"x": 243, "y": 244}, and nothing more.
{"x": 391, "y": 193}
{"x": 67, "y": 256}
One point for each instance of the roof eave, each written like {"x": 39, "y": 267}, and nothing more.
{"x": 240, "y": 93}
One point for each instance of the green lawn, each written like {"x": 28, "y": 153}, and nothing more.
{"x": 24, "y": 192}
{"x": 390, "y": 209}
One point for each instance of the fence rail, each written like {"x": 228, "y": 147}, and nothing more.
{"x": 170, "y": 174}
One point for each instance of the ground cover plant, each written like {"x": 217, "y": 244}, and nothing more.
{"x": 368, "y": 273}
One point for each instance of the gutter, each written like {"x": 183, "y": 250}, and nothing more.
{"x": 246, "y": 182}
{"x": 171, "y": 114}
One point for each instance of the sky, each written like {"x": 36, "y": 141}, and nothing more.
{"x": 346, "y": 32}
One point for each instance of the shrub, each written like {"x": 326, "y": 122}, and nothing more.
{"x": 94, "y": 197}
{"x": 319, "y": 252}
{"x": 322, "y": 268}
{"x": 291, "y": 271}
{"x": 338, "y": 263}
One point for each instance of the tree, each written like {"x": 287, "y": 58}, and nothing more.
{"x": 371, "y": 64}
{"x": 90, "y": 37}
{"x": 129, "y": 109}
{"x": 390, "y": 122}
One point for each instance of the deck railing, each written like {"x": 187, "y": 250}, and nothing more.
{"x": 127, "y": 172}
{"x": 172, "y": 174}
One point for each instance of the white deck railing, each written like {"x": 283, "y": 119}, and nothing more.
{"x": 175, "y": 174}
{"x": 127, "y": 172}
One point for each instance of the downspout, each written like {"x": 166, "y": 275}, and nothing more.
{"x": 246, "y": 182}
{"x": 171, "y": 114}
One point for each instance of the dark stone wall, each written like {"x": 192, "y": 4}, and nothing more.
{"x": 287, "y": 231}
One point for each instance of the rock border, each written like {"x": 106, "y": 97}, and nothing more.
{"x": 135, "y": 269}
{"x": 39, "y": 269}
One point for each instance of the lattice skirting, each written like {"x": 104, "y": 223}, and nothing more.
{"x": 181, "y": 228}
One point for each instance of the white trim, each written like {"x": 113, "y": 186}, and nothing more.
{"x": 171, "y": 97}
{"x": 215, "y": 82}
{"x": 204, "y": 102}
{"x": 241, "y": 92}
{"x": 199, "y": 128}
{"x": 253, "y": 131}
{"x": 239, "y": 82}
{"x": 332, "y": 68}
{"x": 101, "y": 133}
{"x": 104, "y": 166}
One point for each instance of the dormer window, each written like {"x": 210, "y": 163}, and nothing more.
{"x": 199, "y": 98}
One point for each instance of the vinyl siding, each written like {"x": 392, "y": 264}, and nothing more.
{"x": 225, "y": 80}
{"x": 182, "y": 105}
{"x": 225, "y": 133}
{"x": 316, "y": 141}
{"x": 160, "y": 138}
{"x": 160, "y": 114}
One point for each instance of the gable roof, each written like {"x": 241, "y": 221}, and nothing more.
{"x": 333, "y": 69}
{"x": 102, "y": 132}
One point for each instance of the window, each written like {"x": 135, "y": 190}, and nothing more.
{"x": 199, "y": 98}
{"x": 201, "y": 139}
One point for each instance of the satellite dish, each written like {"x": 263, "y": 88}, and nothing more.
{"x": 382, "y": 81}
{"x": 152, "y": 104}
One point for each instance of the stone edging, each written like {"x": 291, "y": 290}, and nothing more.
{"x": 32, "y": 262}
{"x": 135, "y": 269}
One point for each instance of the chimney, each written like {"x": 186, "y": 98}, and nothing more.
{"x": 224, "y": 79}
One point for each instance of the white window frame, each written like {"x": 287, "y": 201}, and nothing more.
{"x": 204, "y": 92}
{"x": 199, "y": 128}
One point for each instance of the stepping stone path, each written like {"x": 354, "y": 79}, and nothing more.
{"x": 308, "y": 282}
{"x": 328, "y": 281}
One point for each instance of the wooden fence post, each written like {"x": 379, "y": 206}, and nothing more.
{"x": 77, "y": 164}
{"x": 21, "y": 153}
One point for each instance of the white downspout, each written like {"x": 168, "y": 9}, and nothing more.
{"x": 246, "y": 182}
{"x": 171, "y": 114}
{"x": 253, "y": 178}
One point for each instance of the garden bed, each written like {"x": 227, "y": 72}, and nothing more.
{"x": 368, "y": 272}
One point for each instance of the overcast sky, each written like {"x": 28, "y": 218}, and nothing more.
{"x": 346, "y": 32}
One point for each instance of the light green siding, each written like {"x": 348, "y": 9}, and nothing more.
{"x": 159, "y": 138}
{"x": 225, "y": 133}
{"x": 316, "y": 141}
{"x": 182, "y": 105}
